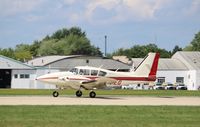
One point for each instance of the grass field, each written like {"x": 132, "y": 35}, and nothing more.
{"x": 99, "y": 116}
{"x": 103, "y": 92}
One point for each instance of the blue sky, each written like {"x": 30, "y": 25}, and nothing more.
{"x": 126, "y": 22}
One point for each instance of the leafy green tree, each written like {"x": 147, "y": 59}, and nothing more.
{"x": 23, "y": 56}
{"x": 68, "y": 42}
{"x": 141, "y": 51}
{"x": 34, "y": 48}
{"x": 176, "y": 49}
{"x": 47, "y": 47}
{"x": 195, "y": 44}
{"x": 9, "y": 52}
{"x": 22, "y": 52}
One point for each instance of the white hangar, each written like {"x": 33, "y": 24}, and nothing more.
{"x": 183, "y": 67}
{"x": 14, "y": 74}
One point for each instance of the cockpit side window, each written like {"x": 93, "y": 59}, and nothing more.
{"x": 94, "y": 72}
{"x": 102, "y": 73}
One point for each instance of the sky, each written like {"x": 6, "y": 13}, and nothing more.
{"x": 125, "y": 22}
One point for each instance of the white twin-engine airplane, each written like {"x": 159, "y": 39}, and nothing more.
{"x": 92, "y": 78}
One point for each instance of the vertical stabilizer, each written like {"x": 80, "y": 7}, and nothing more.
{"x": 148, "y": 67}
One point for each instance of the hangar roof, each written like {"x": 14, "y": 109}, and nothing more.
{"x": 190, "y": 58}
{"x": 8, "y": 63}
{"x": 165, "y": 64}
{"x": 68, "y": 62}
{"x": 42, "y": 61}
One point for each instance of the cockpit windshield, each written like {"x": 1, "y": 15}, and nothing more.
{"x": 74, "y": 70}
{"x": 102, "y": 73}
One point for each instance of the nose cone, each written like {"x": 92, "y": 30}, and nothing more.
{"x": 41, "y": 78}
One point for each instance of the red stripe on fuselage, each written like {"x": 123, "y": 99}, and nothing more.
{"x": 135, "y": 78}
{"x": 150, "y": 78}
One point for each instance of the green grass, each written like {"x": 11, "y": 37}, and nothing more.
{"x": 103, "y": 92}
{"x": 99, "y": 116}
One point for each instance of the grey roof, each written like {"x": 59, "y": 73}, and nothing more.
{"x": 68, "y": 62}
{"x": 8, "y": 63}
{"x": 42, "y": 61}
{"x": 164, "y": 64}
{"x": 104, "y": 63}
{"x": 190, "y": 58}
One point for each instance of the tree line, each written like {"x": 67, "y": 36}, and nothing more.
{"x": 74, "y": 41}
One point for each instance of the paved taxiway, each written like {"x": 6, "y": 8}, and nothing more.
{"x": 108, "y": 100}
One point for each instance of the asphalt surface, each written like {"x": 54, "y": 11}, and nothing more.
{"x": 103, "y": 100}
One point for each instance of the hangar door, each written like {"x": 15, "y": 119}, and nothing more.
{"x": 5, "y": 78}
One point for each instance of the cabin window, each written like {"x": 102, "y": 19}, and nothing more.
{"x": 94, "y": 72}
{"x": 84, "y": 72}
{"x": 102, "y": 73}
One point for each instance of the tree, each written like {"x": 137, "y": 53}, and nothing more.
{"x": 9, "y": 52}
{"x": 22, "y": 52}
{"x": 34, "y": 48}
{"x": 141, "y": 51}
{"x": 194, "y": 44}
{"x": 47, "y": 47}
{"x": 68, "y": 42}
{"x": 176, "y": 48}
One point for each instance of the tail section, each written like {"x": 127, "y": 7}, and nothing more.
{"x": 148, "y": 67}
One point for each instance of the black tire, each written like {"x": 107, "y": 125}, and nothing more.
{"x": 55, "y": 94}
{"x": 92, "y": 94}
{"x": 79, "y": 93}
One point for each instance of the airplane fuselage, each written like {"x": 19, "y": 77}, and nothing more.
{"x": 93, "y": 78}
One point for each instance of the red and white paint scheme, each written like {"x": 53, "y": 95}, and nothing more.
{"x": 91, "y": 78}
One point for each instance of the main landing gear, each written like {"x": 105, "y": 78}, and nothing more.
{"x": 79, "y": 93}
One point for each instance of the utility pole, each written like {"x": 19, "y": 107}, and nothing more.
{"x": 105, "y": 45}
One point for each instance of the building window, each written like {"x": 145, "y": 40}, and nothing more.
{"x": 21, "y": 75}
{"x": 24, "y": 76}
{"x": 180, "y": 79}
{"x": 161, "y": 79}
{"x": 16, "y": 75}
{"x": 27, "y": 76}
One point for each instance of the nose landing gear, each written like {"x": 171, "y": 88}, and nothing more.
{"x": 55, "y": 94}
{"x": 79, "y": 93}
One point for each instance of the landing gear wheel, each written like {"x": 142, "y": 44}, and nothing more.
{"x": 92, "y": 94}
{"x": 55, "y": 94}
{"x": 79, "y": 93}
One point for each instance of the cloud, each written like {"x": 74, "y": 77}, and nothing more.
{"x": 13, "y": 7}
{"x": 122, "y": 10}
{"x": 68, "y": 2}
{"x": 194, "y": 8}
